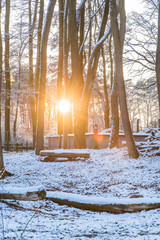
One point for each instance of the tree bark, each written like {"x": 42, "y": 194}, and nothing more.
{"x": 106, "y": 108}
{"x": 115, "y": 206}
{"x": 118, "y": 46}
{"x": 43, "y": 69}
{"x": 31, "y": 78}
{"x": 66, "y": 119}
{"x": 113, "y": 140}
{"x": 60, "y": 67}
{"x": 7, "y": 76}
{"x": 1, "y": 54}
{"x": 158, "y": 58}
{"x": 77, "y": 78}
{"x": 18, "y": 87}
{"x": 37, "y": 74}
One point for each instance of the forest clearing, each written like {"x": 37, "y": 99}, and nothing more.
{"x": 80, "y": 119}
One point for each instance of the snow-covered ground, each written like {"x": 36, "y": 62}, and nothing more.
{"x": 108, "y": 173}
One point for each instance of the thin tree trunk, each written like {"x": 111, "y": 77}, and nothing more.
{"x": 43, "y": 69}
{"x": 18, "y": 88}
{"x": 60, "y": 67}
{"x": 7, "y": 75}
{"x": 118, "y": 46}
{"x": 37, "y": 74}
{"x": 158, "y": 58}
{"x": 17, "y": 103}
{"x": 90, "y": 32}
{"x": 1, "y": 53}
{"x": 106, "y": 109}
{"x": 65, "y": 73}
{"x": 31, "y": 78}
{"x": 113, "y": 140}
{"x": 111, "y": 60}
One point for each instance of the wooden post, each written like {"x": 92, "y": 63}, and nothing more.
{"x": 159, "y": 123}
{"x": 95, "y": 131}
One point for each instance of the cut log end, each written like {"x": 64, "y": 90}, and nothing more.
{"x": 24, "y": 194}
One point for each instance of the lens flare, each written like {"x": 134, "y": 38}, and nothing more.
{"x": 64, "y": 106}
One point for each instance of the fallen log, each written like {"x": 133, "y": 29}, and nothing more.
{"x": 101, "y": 204}
{"x": 70, "y": 154}
{"x": 25, "y": 194}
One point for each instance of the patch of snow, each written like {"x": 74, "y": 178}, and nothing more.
{"x": 109, "y": 173}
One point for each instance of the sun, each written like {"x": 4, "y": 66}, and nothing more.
{"x": 64, "y": 106}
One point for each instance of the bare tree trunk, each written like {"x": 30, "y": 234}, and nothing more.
{"x": 65, "y": 73}
{"x": 3, "y": 171}
{"x": 18, "y": 88}
{"x": 90, "y": 33}
{"x": 158, "y": 58}
{"x": 7, "y": 75}
{"x": 113, "y": 141}
{"x": 43, "y": 69}
{"x": 37, "y": 74}
{"x": 91, "y": 73}
{"x": 118, "y": 38}
{"x": 60, "y": 67}
{"x": 31, "y": 78}
{"x": 77, "y": 81}
{"x": 1, "y": 53}
{"x": 111, "y": 60}
{"x": 106, "y": 109}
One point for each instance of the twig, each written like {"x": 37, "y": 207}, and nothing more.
{"x": 28, "y": 223}
{"x": 18, "y": 207}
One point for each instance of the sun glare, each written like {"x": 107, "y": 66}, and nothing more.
{"x": 64, "y": 106}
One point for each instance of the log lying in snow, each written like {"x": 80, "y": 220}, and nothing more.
{"x": 71, "y": 155}
{"x": 101, "y": 204}
{"x": 25, "y": 194}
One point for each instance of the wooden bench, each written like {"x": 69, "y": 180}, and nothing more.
{"x": 63, "y": 155}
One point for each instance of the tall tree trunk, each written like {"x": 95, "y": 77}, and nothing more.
{"x": 31, "y": 78}
{"x": 91, "y": 72}
{"x": 113, "y": 140}
{"x": 37, "y": 74}
{"x": 158, "y": 58}
{"x": 17, "y": 103}
{"x": 1, "y": 53}
{"x": 77, "y": 80}
{"x": 7, "y": 76}
{"x": 65, "y": 73}
{"x": 106, "y": 108}
{"x": 18, "y": 87}
{"x": 90, "y": 32}
{"x": 118, "y": 37}
{"x": 111, "y": 60}
{"x": 43, "y": 69}
{"x": 60, "y": 67}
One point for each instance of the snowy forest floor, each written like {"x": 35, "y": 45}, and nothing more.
{"x": 108, "y": 173}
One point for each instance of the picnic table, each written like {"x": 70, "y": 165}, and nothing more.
{"x": 63, "y": 155}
